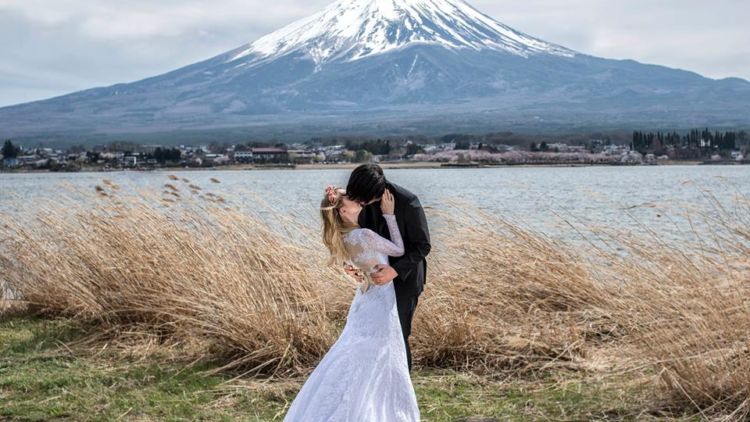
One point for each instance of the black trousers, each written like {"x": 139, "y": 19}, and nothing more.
{"x": 406, "y": 305}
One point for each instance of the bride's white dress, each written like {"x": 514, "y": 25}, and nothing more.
{"x": 365, "y": 376}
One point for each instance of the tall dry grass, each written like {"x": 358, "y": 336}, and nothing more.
{"x": 501, "y": 297}
{"x": 187, "y": 265}
{"x": 688, "y": 312}
{"x": 199, "y": 271}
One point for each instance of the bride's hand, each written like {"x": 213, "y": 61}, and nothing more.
{"x": 387, "y": 203}
{"x": 354, "y": 273}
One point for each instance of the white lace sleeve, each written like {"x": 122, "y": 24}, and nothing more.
{"x": 393, "y": 247}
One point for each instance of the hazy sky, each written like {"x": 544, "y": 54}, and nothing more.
{"x": 53, "y": 47}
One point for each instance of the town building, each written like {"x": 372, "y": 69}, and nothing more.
{"x": 269, "y": 155}
{"x": 10, "y": 162}
{"x": 243, "y": 156}
{"x": 301, "y": 156}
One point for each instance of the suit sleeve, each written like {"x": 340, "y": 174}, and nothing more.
{"x": 416, "y": 239}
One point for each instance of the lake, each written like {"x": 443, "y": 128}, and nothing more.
{"x": 542, "y": 198}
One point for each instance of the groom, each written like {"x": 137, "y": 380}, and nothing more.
{"x": 366, "y": 185}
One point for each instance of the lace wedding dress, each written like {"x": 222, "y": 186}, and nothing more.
{"x": 365, "y": 376}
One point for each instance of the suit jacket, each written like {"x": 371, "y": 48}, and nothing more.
{"x": 412, "y": 223}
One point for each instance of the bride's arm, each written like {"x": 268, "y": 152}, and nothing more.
{"x": 395, "y": 246}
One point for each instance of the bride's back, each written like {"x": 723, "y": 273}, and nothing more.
{"x": 363, "y": 250}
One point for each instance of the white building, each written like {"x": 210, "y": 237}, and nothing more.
{"x": 243, "y": 156}
{"x": 632, "y": 157}
{"x": 558, "y": 147}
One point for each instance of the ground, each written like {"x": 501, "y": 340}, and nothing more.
{"x": 42, "y": 379}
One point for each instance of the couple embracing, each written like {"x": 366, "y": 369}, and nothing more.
{"x": 378, "y": 232}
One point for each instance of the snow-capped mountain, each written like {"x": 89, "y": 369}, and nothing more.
{"x": 387, "y": 66}
{"x": 354, "y": 29}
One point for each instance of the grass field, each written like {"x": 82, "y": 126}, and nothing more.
{"x": 42, "y": 379}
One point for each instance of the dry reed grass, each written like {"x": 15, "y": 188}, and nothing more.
{"x": 501, "y": 297}
{"x": 688, "y": 313}
{"x": 203, "y": 271}
{"x": 187, "y": 266}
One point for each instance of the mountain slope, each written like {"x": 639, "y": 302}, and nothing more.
{"x": 389, "y": 65}
{"x": 351, "y": 30}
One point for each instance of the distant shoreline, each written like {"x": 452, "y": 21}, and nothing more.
{"x": 348, "y": 166}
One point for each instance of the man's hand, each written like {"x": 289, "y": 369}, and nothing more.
{"x": 354, "y": 273}
{"x": 383, "y": 274}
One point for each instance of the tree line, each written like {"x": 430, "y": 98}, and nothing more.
{"x": 163, "y": 155}
{"x": 695, "y": 139}
{"x": 9, "y": 150}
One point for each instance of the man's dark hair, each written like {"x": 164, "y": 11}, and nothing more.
{"x": 366, "y": 183}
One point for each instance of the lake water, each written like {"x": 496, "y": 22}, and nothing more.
{"x": 542, "y": 198}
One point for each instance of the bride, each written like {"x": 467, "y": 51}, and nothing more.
{"x": 365, "y": 376}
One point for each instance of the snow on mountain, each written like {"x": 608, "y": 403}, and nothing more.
{"x": 353, "y": 29}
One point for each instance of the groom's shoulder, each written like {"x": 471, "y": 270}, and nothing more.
{"x": 402, "y": 192}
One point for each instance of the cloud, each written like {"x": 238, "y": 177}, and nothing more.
{"x": 144, "y": 19}
{"x": 706, "y": 37}
{"x": 66, "y": 45}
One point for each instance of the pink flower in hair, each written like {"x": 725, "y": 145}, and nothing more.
{"x": 331, "y": 191}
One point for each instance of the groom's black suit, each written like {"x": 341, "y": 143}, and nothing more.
{"x": 412, "y": 266}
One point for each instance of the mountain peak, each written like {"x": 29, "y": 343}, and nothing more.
{"x": 353, "y": 29}
{"x": 388, "y": 67}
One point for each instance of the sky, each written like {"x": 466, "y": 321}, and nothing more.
{"x": 54, "y": 47}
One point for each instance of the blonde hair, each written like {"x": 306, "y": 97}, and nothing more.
{"x": 334, "y": 226}
{"x": 334, "y": 229}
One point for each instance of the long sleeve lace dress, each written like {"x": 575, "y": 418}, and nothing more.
{"x": 364, "y": 377}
